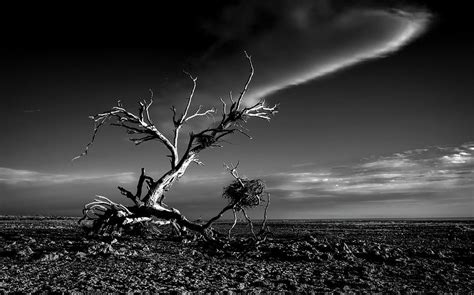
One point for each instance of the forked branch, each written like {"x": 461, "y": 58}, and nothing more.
{"x": 179, "y": 122}
{"x": 137, "y": 197}
{"x": 133, "y": 124}
{"x": 143, "y": 129}
{"x": 247, "y": 83}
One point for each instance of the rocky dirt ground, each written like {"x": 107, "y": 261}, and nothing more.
{"x": 54, "y": 255}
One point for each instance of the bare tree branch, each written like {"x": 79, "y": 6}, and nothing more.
{"x": 128, "y": 194}
{"x": 198, "y": 113}
{"x": 190, "y": 98}
{"x": 247, "y": 83}
{"x": 218, "y": 216}
{"x": 249, "y": 222}
{"x": 179, "y": 122}
{"x": 264, "y": 222}
{"x": 224, "y": 106}
{"x": 234, "y": 211}
{"x": 148, "y": 107}
{"x": 97, "y": 124}
{"x": 233, "y": 171}
{"x": 259, "y": 110}
{"x": 133, "y": 124}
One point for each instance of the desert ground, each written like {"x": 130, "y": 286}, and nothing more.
{"x": 44, "y": 254}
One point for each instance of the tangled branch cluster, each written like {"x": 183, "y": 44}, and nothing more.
{"x": 245, "y": 193}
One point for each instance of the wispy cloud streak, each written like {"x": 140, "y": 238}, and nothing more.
{"x": 402, "y": 27}
{"x": 303, "y": 42}
{"x": 16, "y": 177}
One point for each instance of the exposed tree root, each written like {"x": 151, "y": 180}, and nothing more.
{"x": 110, "y": 218}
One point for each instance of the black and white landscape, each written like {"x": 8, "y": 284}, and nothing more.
{"x": 266, "y": 146}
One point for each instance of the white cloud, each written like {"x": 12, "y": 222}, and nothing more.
{"x": 396, "y": 162}
{"x": 460, "y": 158}
{"x": 28, "y": 177}
{"x": 193, "y": 179}
{"x": 308, "y": 47}
{"x": 415, "y": 171}
{"x": 407, "y": 26}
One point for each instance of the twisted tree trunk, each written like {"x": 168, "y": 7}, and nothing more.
{"x": 162, "y": 185}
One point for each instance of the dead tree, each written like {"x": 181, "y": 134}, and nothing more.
{"x": 149, "y": 206}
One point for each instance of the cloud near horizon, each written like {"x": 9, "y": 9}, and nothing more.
{"x": 419, "y": 171}
{"x": 17, "y": 177}
{"x": 412, "y": 171}
{"x": 434, "y": 181}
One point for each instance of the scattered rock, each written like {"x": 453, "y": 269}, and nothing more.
{"x": 25, "y": 252}
{"x": 81, "y": 255}
{"x": 50, "y": 257}
{"x": 336, "y": 258}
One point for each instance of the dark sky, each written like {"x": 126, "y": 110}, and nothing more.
{"x": 375, "y": 103}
